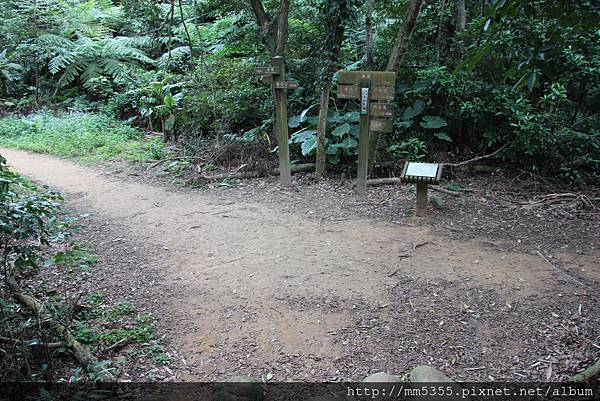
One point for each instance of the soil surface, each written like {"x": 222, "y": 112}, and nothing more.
{"x": 314, "y": 283}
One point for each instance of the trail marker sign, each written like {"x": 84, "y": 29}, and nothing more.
{"x": 368, "y": 87}
{"x": 381, "y": 125}
{"x": 421, "y": 174}
{"x": 275, "y": 75}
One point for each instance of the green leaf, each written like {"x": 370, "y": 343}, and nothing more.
{"x": 433, "y": 122}
{"x": 303, "y": 114}
{"x": 309, "y": 146}
{"x": 170, "y": 122}
{"x": 531, "y": 80}
{"x": 443, "y": 136}
{"x": 414, "y": 110}
{"x": 169, "y": 101}
{"x": 437, "y": 202}
{"x": 295, "y": 121}
{"x": 303, "y": 135}
{"x": 341, "y": 130}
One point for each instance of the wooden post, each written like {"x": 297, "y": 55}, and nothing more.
{"x": 421, "y": 209}
{"x": 363, "y": 140}
{"x": 281, "y": 124}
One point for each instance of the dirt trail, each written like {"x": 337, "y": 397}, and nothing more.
{"x": 259, "y": 289}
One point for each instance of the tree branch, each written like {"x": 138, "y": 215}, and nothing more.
{"x": 463, "y": 163}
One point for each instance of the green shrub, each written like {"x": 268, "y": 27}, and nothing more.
{"x": 79, "y": 135}
{"x": 224, "y": 97}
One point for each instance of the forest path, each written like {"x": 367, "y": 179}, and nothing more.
{"x": 262, "y": 291}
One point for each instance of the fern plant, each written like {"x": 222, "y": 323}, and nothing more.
{"x": 9, "y": 71}
{"x": 87, "y": 58}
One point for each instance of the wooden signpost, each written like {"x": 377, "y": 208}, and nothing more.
{"x": 275, "y": 75}
{"x": 422, "y": 174}
{"x": 368, "y": 87}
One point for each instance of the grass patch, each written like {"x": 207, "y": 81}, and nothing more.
{"x": 74, "y": 258}
{"x": 85, "y": 136}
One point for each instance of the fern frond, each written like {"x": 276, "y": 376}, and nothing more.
{"x": 56, "y": 41}
{"x": 176, "y": 53}
{"x": 91, "y": 71}
{"x": 70, "y": 73}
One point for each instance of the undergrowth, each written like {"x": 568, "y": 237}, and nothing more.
{"x": 33, "y": 230}
{"x": 86, "y": 136}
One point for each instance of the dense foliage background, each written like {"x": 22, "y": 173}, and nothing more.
{"x": 476, "y": 76}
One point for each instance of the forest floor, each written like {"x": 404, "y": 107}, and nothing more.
{"x": 314, "y": 283}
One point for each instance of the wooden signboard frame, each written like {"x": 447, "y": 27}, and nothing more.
{"x": 275, "y": 75}
{"x": 368, "y": 87}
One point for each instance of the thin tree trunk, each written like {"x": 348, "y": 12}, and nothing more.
{"x": 273, "y": 33}
{"x": 262, "y": 20}
{"x": 333, "y": 44}
{"x": 461, "y": 16}
{"x": 282, "y": 27}
{"x": 438, "y": 44}
{"x": 187, "y": 33}
{"x": 321, "y": 159}
{"x": 369, "y": 35}
{"x": 403, "y": 38}
{"x": 402, "y": 41}
{"x": 170, "y": 43}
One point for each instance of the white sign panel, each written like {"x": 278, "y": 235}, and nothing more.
{"x": 364, "y": 100}
{"x": 422, "y": 170}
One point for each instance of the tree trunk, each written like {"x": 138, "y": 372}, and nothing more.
{"x": 402, "y": 41}
{"x": 404, "y": 34}
{"x": 332, "y": 48}
{"x": 321, "y": 160}
{"x": 461, "y": 16}
{"x": 262, "y": 20}
{"x": 438, "y": 45}
{"x": 369, "y": 35}
{"x": 273, "y": 33}
{"x": 282, "y": 27}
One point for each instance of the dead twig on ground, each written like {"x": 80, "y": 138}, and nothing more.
{"x": 560, "y": 270}
{"x": 475, "y": 159}
{"x": 161, "y": 161}
{"x": 31, "y": 343}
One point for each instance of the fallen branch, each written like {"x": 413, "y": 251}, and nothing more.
{"x": 475, "y": 159}
{"x": 31, "y": 343}
{"x": 79, "y": 351}
{"x": 375, "y": 182}
{"x": 444, "y": 190}
{"x": 588, "y": 374}
{"x": 559, "y": 269}
{"x": 296, "y": 168}
{"x": 161, "y": 161}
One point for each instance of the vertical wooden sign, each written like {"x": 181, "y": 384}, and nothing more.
{"x": 363, "y": 139}
{"x": 275, "y": 75}
{"x": 281, "y": 122}
{"x": 368, "y": 87}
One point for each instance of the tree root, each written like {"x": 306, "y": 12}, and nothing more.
{"x": 79, "y": 351}
{"x": 590, "y": 373}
